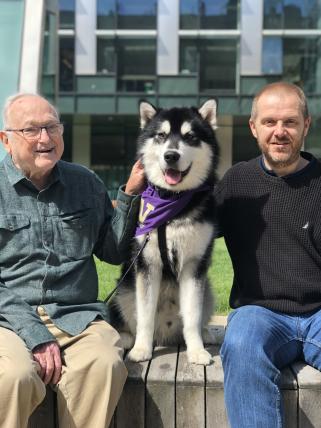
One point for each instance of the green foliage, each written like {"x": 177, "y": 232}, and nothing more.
{"x": 220, "y": 274}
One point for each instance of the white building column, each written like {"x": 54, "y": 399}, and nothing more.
{"x": 32, "y": 43}
{"x": 81, "y": 140}
{"x": 251, "y": 37}
{"x": 85, "y": 37}
{"x": 167, "y": 37}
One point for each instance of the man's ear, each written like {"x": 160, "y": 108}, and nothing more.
{"x": 307, "y": 123}
{"x": 253, "y": 128}
{"x": 5, "y": 141}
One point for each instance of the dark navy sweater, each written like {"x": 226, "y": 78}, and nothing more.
{"x": 272, "y": 229}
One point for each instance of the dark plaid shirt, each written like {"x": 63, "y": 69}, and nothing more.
{"x": 47, "y": 242}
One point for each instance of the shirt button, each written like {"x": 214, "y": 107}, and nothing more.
{"x": 41, "y": 310}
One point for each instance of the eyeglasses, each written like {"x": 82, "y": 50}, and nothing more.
{"x": 33, "y": 133}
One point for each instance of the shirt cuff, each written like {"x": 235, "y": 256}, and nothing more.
{"x": 36, "y": 335}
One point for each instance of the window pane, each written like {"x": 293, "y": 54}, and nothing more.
{"x": 302, "y": 14}
{"x": 273, "y": 14}
{"x": 11, "y": 35}
{"x": 136, "y": 14}
{"x": 67, "y": 13}
{"x": 313, "y": 142}
{"x": 188, "y": 56}
{"x": 189, "y": 14}
{"x": 105, "y": 55}
{"x": 136, "y": 64}
{"x": 272, "y": 55}
{"x": 217, "y": 64}
{"x": 49, "y": 47}
{"x": 302, "y": 62}
{"x": 49, "y": 57}
{"x": 106, "y": 14}
{"x": 113, "y": 148}
{"x": 66, "y": 64}
{"x": 291, "y": 14}
{"x": 67, "y": 120}
{"x": 219, "y": 14}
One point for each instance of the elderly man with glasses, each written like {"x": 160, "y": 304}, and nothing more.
{"x": 54, "y": 217}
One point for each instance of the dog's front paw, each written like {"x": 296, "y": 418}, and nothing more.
{"x": 199, "y": 356}
{"x": 140, "y": 354}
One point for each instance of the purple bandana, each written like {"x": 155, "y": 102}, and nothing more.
{"x": 155, "y": 211}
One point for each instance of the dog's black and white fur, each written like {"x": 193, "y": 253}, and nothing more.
{"x": 153, "y": 306}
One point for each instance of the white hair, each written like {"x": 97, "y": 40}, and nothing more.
{"x": 13, "y": 98}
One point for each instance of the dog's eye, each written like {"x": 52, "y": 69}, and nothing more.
{"x": 161, "y": 136}
{"x": 190, "y": 136}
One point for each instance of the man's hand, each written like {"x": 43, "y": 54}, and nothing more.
{"x": 48, "y": 357}
{"x": 136, "y": 182}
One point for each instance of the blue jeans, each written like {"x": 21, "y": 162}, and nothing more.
{"x": 258, "y": 344}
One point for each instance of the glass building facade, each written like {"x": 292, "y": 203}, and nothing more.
{"x": 212, "y": 40}
{"x": 113, "y": 53}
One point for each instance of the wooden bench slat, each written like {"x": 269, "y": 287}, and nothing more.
{"x": 215, "y": 407}
{"x": 131, "y": 406}
{"x": 190, "y": 393}
{"x": 309, "y": 382}
{"x": 160, "y": 389}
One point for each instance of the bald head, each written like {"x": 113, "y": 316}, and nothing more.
{"x": 281, "y": 88}
{"x": 20, "y": 100}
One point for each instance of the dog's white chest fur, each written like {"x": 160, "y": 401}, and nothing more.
{"x": 186, "y": 241}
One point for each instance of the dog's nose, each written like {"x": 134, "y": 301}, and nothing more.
{"x": 171, "y": 157}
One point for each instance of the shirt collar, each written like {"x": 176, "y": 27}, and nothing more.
{"x": 15, "y": 175}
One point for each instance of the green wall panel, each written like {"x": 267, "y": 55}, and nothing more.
{"x": 95, "y": 105}
{"x": 180, "y": 85}
{"x": 130, "y": 105}
{"x": 66, "y": 104}
{"x": 168, "y": 102}
{"x": 95, "y": 84}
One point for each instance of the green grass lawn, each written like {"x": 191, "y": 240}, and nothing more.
{"x": 220, "y": 275}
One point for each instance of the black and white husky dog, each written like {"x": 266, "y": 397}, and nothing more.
{"x": 166, "y": 296}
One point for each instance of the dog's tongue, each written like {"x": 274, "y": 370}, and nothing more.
{"x": 172, "y": 176}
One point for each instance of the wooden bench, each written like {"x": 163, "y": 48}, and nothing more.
{"x": 168, "y": 392}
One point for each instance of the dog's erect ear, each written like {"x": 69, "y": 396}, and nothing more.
{"x": 147, "y": 112}
{"x": 208, "y": 112}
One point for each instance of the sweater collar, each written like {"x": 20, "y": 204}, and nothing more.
{"x": 305, "y": 155}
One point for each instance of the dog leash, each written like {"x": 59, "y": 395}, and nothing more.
{"x": 147, "y": 238}
{"x": 161, "y": 232}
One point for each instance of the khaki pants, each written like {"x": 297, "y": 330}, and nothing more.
{"x": 93, "y": 376}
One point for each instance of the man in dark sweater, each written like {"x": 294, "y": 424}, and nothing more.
{"x": 269, "y": 213}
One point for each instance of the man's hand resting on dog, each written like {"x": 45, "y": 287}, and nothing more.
{"x": 48, "y": 357}
{"x": 136, "y": 182}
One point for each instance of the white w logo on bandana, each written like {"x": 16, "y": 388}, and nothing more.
{"x": 155, "y": 211}
{"x": 143, "y": 214}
